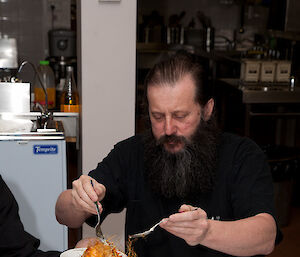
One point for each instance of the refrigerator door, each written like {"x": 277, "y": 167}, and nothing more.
{"x": 35, "y": 172}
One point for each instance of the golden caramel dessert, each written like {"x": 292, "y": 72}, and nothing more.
{"x": 101, "y": 250}
{"x": 98, "y": 249}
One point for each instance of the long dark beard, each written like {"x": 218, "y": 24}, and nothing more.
{"x": 185, "y": 173}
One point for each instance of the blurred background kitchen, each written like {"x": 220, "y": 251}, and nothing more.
{"x": 251, "y": 48}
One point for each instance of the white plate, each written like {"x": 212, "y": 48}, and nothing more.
{"x": 78, "y": 252}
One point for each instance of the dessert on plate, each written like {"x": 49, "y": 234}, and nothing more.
{"x": 101, "y": 250}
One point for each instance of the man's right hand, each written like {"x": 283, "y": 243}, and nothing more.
{"x": 84, "y": 195}
{"x": 75, "y": 205}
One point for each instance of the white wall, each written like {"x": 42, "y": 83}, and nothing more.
{"x": 107, "y": 78}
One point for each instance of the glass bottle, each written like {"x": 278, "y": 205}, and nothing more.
{"x": 69, "y": 100}
{"x": 47, "y": 77}
{"x": 61, "y": 79}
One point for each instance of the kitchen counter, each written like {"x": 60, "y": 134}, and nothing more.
{"x": 265, "y": 92}
{"x": 31, "y": 136}
{"x": 69, "y": 128}
{"x": 278, "y": 101}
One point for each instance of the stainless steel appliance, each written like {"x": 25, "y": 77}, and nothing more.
{"x": 62, "y": 42}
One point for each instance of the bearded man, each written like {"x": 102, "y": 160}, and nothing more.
{"x": 212, "y": 190}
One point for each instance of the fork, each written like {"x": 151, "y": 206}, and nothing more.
{"x": 98, "y": 227}
{"x": 145, "y": 233}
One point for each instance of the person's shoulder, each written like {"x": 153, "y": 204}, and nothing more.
{"x": 236, "y": 142}
{"x": 237, "y": 150}
{"x": 128, "y": 149}
{"x": 130, "y": 142}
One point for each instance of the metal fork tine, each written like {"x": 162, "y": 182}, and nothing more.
{"x": 98, "y": 227}
{"x": 145, "y": 233}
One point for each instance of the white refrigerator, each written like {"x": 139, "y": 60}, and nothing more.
{"x": 34, "y": 168}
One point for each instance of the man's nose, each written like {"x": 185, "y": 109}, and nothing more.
{"x": 170, "y": 127}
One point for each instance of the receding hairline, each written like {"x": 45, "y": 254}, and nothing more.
{"x": 173, "y": 84}
{"x": 170, "y": 71}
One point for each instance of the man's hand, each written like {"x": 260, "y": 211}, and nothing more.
{"x": 84, "y": 195}
{"x": 245, "y": 237}
{"x": 189, "y": 224}
{"x": 75, "y": 205}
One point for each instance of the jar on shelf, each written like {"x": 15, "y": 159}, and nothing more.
{"x": 46, "y": 77}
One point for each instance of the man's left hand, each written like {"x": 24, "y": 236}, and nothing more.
{"x": 190, "y": 224}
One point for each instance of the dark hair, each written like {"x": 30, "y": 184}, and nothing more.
{"x": 170, "y": 71}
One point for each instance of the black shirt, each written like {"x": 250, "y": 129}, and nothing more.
{"x": 244, "y": 188}
{"x": 14, "y": 240}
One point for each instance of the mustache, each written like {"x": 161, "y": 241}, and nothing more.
{"x": 171, "y": 139}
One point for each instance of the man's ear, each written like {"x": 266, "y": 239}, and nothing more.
{"x": 208, "y": 109}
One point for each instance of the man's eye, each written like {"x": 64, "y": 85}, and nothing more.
{"x": 180, "y": 116}
{"x": 157, "y": 116}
